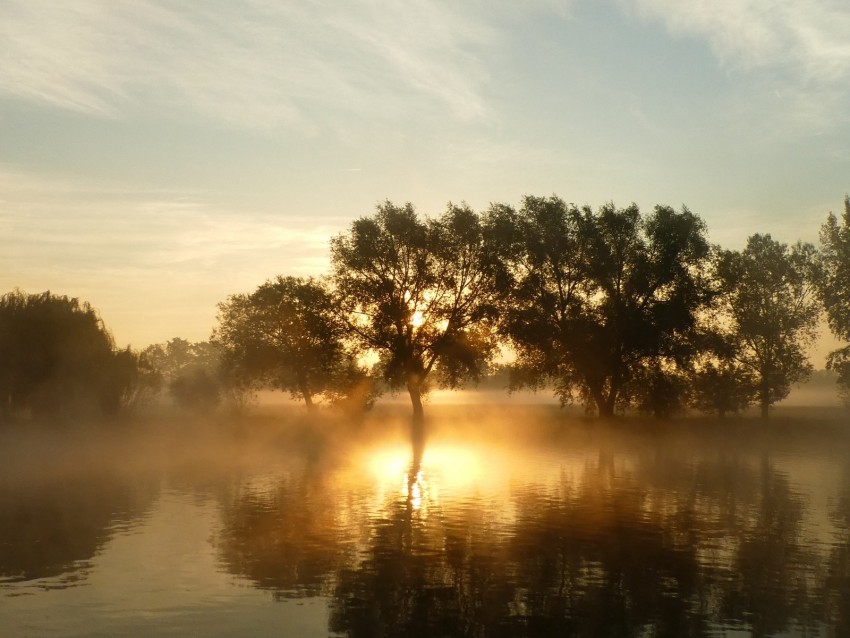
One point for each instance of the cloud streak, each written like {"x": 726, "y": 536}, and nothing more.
{"x": 798, "y": 53}
{"x": 255, "y": 62}
{"x": 51, "y": 224}
{"x": 177, "y": 255}
{"x": 807, "y": 37}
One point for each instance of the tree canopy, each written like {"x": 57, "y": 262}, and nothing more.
{"x": 192, "y": 373}
{"x": 597, "y": 299}
{"x": 288, "y": 335}
{"x": 770, "y": 312}
{"x": 834, "y": 289}
{"x": 611, "y": 308}
{"x": 420, "y": 292}
{"x": 56, "y": 358}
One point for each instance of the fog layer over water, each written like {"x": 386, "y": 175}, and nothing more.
{"x": 509, "y": 522}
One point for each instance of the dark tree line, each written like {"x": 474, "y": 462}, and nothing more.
{"x": 57, "y": 358}
{"x": 612, "y": 308}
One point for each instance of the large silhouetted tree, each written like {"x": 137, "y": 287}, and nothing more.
{"x": 287, "y": 335}
{"x": 419, "y": 292}
{"x": 601, "y": 301}
{"x": 833, "y": 283}
{"x": 57, "y": 358}
{"x": 770, "y": 312}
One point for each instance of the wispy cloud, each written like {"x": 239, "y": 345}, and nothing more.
{"x": 58, "y": 225}
{"x": 797, "y": 53}
{"x": 179, "y": 255}
{"x": 810, "y": 36}
{"x": 255, "y": 62}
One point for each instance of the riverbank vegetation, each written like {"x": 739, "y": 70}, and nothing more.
{"x": 612, "y": 309}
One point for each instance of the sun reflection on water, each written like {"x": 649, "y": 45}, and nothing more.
{"x": 444, "y": 469}
{"x": 453, "y": 466}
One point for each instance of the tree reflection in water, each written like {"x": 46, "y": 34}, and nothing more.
{"x": 285, "y": 537}
{"x": 835, "y": 590}
{"x": 50, "y": 528}
{"x": 668, "y": 548}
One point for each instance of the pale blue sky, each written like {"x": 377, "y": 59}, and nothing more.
{"x": 157, "y": 156}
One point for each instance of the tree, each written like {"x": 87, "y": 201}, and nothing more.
{"x": 133, "y": 381}
{"x": 57, "y": 358}
{"x": 723, "y": 386}
{"x": 833, "y": 282}
{"x": 719, "y": 382}
{"x": 192, "y": 373}
{"x": 420, "y": 293}
{"x": 770, "y": 312}
{"x": 599, "y": 300}
{"x": 287, "y": 335}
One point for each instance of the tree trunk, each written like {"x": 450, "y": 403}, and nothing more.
{"x": 417, "y": 429}
{"x": 605, "y": 404}
{"x": 601, "y": 402}
{"x": 308, "y": 398}
{"x": 606, "y": 410}
{"x": 764, "y": 400}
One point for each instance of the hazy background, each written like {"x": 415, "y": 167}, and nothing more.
{"x": 156, "y": 157}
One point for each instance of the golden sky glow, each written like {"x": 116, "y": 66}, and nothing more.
{"x": 158, "y": 157}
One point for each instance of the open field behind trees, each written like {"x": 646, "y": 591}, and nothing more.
{"x": 610, "y": 311}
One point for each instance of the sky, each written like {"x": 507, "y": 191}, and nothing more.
{"x": 157, "y": 156}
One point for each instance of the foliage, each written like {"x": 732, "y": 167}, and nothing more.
{"x": 57, "y": 358}
{"x": 287, "y": 335}
{"x": 719, "y": 382}
{"x": 724, "y": 387}
{"x": 134, "y": 379}
{"x": 839, "y": 362}
{"x": 834, "y": 289}
{"x": 420, "y": 293}
{"x": 770, "y": 312}
{"x": 597, "y": 300}
{"x": 191, "y": 373}
{"x": 662, "y": 393}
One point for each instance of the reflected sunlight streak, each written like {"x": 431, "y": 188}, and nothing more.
{"x": 444, "y": 467}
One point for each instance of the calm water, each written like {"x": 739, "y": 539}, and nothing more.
{"x": 566, "y": 530}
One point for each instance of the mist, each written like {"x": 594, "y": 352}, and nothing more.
{"x": 541, "y": 420}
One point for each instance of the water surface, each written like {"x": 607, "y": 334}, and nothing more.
{"x": 529, "y": 524}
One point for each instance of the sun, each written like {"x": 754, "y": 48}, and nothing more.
{"x": 418, "y": 319}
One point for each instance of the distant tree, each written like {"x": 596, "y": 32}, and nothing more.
{"x": 600, "y": 300}
{"x": 133, "y": 381}
{"x": 770, "y": 312}
{"x": 57, "y": 358}
{"x": 288, "y": 335}
{"x": 662, "y": 393}
{"x": 839, "y": 361}
{"x": 191, "y": 373}
{"x": 171, "y": 357}
{"x": 719, "y": 382}
{"x": 724, "y": 387}
{"x": 419, "y": 292}
{"x": 833, "y": 282}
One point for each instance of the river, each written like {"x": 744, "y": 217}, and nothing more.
{"x": 510, "y": 521}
